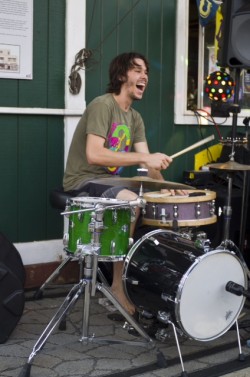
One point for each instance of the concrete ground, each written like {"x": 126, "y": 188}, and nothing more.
{"x": 67, "y": 353}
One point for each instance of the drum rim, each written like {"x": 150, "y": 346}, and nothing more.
{"x": 210, "y": 195}
{"x": 188, "y": 222}
{"x": 94, "y": 200}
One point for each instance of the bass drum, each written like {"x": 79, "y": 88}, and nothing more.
{"x": 165, "y": 272}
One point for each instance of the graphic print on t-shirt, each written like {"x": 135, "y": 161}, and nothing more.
{"x": 118, "y": 140}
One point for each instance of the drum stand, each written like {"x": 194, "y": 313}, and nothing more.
{"x": 165, "y": 318}
{"x": 88, "y": 286}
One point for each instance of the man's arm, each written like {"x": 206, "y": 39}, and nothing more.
{"x": 152, "y": 173}
{"x": 97, "y": 154}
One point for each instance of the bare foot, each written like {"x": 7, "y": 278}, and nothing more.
{"x": 123, "y": 300}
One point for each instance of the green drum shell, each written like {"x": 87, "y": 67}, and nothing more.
{"x": 114, "y": 237}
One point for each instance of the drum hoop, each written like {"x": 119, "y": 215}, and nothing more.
{"x": 152, "y": 197}
{"x": 95, "y": 200}
{"x": 188, "y": 222}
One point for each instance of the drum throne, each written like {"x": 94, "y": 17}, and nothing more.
{"x": 58, "y": 199}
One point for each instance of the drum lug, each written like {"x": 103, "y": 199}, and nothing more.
{"x": 212, "y": 207}
{"x": 124, "y": 228}
{"x": 130, "y": 242}
{"x": 167, "y": 298}
{"x": 66, "y": 239}
{"x": 203, "y": 243}
{"x": 163, "y": 215}
{"x": 132, "y": 215}
{"x": 197, "y": 210}
{"x": 80, "y": 217}
{"x": 67, "y": 207}
{"x": 154, "y": 208}
{"x": 114, "y": 217}
{"x": 175, "y": 214}
{"x": 112, "y": 247}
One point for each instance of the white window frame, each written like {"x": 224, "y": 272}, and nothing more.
{"x": 181, "y": 114}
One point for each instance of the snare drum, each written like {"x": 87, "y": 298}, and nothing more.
{"x": 114, "y": 234}
{"x": 161, "y": 209}
{"x": 164, "y": 272}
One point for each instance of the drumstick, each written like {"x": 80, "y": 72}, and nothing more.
{"x": 195, "y": 145}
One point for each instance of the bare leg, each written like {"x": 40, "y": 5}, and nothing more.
{"x": 117, "y": 285}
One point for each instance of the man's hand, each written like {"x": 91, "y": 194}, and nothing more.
{"x": 174, "y": 192}
{"x": 158, "y": 161}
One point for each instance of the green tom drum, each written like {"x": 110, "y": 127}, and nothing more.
{"x": 114, "y": 214}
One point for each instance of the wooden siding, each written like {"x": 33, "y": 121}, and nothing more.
{"x": 32, "y": 146}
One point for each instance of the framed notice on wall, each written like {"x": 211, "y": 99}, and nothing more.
{"x": 16, "y": 39}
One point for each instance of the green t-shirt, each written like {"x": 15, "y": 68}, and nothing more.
{"x": 121, "y": 130}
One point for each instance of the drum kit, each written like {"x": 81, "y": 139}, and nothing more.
{"x": 168, "y": 276}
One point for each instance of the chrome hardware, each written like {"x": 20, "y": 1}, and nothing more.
{"x": 212, "y": 207}
{"x": 154, "y": 208}
{"x": 163, "y": 215}
{"x": 114, "y": 216}
{"x": 112, "y": 247}
{"x": 66, "y": 239}
{"x": 175, "y": 213}
{"x": 197, "y": 210}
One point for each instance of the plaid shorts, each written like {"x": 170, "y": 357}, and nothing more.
{"x": 100, "y": 190}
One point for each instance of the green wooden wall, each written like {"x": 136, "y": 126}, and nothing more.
{"x": 147, "y": 26}
{"x": 32, "y": 146}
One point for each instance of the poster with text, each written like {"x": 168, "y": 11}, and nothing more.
{"x": 16, "y": 39}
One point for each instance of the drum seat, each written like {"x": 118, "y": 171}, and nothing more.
{"x": 58, "y": 197}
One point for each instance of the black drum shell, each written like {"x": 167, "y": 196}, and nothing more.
{"x": 156, "y": 268}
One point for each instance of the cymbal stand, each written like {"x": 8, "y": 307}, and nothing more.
{"x": 235, "y": 108}
{"x": 87, "y": 286}
{"x": 227, "y": 209}
{"x": 244, "y": 206}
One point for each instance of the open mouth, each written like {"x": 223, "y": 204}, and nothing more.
{"x": 141, "y": 87}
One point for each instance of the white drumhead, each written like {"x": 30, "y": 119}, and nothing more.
{"x": 205, "y": 310}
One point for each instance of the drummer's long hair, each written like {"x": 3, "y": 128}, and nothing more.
{"x": 119, "y": 67}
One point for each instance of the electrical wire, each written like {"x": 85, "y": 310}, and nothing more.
{"x": 211, "y": 120}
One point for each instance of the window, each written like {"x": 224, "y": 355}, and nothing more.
{"x": 195, "y": 59}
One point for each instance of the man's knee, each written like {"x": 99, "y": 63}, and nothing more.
{"x": 126, "y": 195}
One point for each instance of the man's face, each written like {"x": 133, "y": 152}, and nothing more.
{"x": 137, "y": 80}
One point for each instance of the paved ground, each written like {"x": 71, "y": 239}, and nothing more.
{"x": 63, "y": 355}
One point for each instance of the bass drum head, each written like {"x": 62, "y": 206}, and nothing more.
{"x": 165, "y": 272}
{"x": 204, "y": 309}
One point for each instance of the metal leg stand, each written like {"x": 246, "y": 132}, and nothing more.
{"x": 227, "y": 210}
{"x": 68, "y": 303}
{"x": 165, "y": 318}
{"x": 241, "y": 355}
{"x": 39, "y": 293}
{"x": 85, "y": 286}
